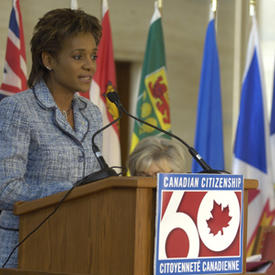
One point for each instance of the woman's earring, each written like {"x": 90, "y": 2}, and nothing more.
{"x": 48, "y": 68}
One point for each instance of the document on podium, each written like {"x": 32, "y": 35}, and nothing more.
{"x": 199, "y": 224}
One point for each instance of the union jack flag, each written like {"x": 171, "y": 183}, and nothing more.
{"x": 15, "y": 70}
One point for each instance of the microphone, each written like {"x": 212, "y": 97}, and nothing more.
{"x": 105, "y": 171}
{"x": 114, "y": 98}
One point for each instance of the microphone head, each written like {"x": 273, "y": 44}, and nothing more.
{"x": 113, "y": 97}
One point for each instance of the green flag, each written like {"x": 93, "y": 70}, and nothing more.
{"x": 152, "y": 102}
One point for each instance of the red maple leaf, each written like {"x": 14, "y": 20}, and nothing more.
{"x": 220, "y": 218}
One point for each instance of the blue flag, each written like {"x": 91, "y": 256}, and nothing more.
{"x": 251, "y": 151}
{"x": 250, "y": 138}
{"x": 272, "y": 118}
{"x": 209, "y": 132}
{"x": 272, "y": 130}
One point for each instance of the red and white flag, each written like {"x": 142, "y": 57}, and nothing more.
{"x": 104, "y": 81}
{"x": 15, "y": 69}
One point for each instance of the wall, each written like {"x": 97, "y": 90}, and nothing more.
{"x": 184, "y": 24}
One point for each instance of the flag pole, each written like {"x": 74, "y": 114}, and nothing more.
{"x": 214, "y": 4}
{"x": 252, "y": 7}
{"x": 74, "y": 4}
{"x": 160, "y": 6}
{"x": 101, "y": 10}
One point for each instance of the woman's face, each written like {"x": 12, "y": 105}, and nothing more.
{"x": 75, "y": 64}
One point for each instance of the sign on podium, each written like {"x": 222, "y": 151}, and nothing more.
{"x": 199, "y": 224}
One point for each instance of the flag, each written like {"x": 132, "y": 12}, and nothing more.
{"x": 104, "y": 81}
{"x": 272, "y": 129}
{"x": 252, "y": 147}
{"x": 153, "y": 102}
{"x": 209, "y": 131}
{"x": 15, "y": 70}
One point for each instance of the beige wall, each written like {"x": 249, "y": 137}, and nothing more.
{"x": 184, "y": 24}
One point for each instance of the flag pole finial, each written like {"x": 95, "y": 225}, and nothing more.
{"x": 214, "y": 5}
{"x": 252, "y": 7}
{"x": 160, "y": 6}
{"x": 213, "y": 9}
{"x": 74, "y": 4}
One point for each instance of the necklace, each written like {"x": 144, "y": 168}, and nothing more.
{"x": 67, "y": 113}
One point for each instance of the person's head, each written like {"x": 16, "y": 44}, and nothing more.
{"x": 155, "y": 155}
{"x": 65, "y": 39}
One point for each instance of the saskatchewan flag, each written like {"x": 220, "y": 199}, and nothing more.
{"x": 152, "y": 101}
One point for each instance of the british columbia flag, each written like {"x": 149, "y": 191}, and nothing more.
{"x": 15, "y": 72}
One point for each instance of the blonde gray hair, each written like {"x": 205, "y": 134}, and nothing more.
{"x": 152, "y": 149}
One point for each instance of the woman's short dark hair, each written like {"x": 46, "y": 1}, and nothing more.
{"x": 51, "y": 31}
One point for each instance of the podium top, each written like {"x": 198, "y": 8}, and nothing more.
{"x": 24, "y": 207}
{"x": 13, "y": 271}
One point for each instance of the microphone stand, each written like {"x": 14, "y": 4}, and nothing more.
{"x": 105, "y": 171}
{"x": 113, "y": 97}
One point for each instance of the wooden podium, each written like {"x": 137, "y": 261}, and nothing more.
{"x": 103, "y": 228}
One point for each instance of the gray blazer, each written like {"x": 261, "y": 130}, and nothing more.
{"x": 40, "y": 154}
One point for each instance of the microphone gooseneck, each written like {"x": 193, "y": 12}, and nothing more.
{"x": 105, "y": 171}
{"x": 114, "y": 98}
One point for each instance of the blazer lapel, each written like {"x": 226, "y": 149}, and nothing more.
{"x": 62, "y": 123}
{"x": 46, "y": 101}
{"x": 81, "y": 123}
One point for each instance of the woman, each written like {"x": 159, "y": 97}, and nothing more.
{"x": 155, "y": 155}
{"x": 46, "y": 131}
